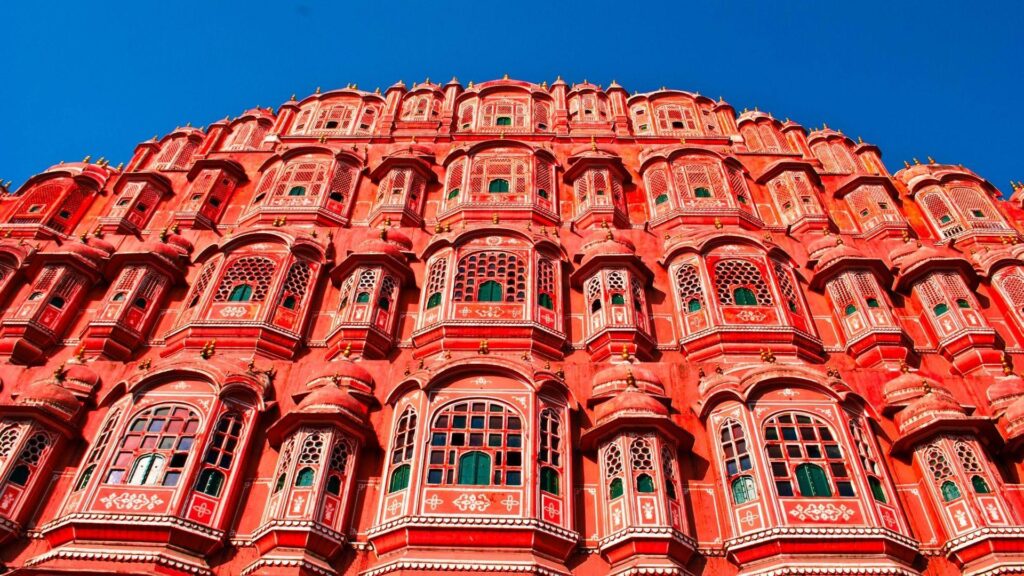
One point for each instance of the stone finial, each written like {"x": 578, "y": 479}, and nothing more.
{"x": 208, "y": 349}
{"x": 317, "y": 91}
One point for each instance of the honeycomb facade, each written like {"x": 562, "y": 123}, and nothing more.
{"x": 510, "y": 328}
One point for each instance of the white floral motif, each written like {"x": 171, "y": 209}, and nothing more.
{"x": 472, "y": 502}
{"x": 751, "y": 316}
{"x": 510, "y": 502}
{"x": 129, "y": 501}
{"x": 233, "y": 311}
{"x": 818, "y": 512}
{"x": 434, "y": 501}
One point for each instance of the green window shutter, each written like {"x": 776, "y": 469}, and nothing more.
{"x": 475, "y": 469}
{"x": 812, "y": 481}
{"x": 950, "y": 491}
{"x": 978, "y": 213}
{"x": 963, "y": 303}
{"x": 661, "y": 199}
{"x": 399, "y": 479}
{"x": 297, "y": 191}
{"x": 615, "y": 488}
{"x": 545, "y": 301}
{"x": 503, "y": 121}
{"x": 693, "y": 305}
{"x": 980, "y": 486}
{"x": 945, "y": 219}
{"x": 240, "y": 293}
{"x": 304, "y": 477}
{"x": 744, "y": 297}
{"x": 876, "y": 489}
{"x": 362, "y": 297}
{"x": 940, "y": 309}
{"x": 453, "y": 194}
{"x": 489, "y": 291}
{"x": 850, "y": 309}
{"x": 334, "y": 485}
{"x": 618, "y": 299}
{"x": 434, "y": 300}
{"x": 644, "y": 484}
{"x": 289, "y": 302}
{"x": 279, "y": 484}
{"x": 549, "y": 480}
{"x": 210, "y": 482}
{"x": 19, "y": 475}
{"x": 742, "y": 489}
{"x": 702, "y": 192}
{"x": 873, "y": 303}
{"x": 542, "y": 193}
{"x": 498, "y": 185}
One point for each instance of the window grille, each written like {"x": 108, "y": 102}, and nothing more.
{"x": 477, "y": 268}
{"x": 253, "y": 271}
{"x": 733, "y": 274}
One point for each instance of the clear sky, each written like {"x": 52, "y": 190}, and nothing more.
{"x": 938, "y": 78}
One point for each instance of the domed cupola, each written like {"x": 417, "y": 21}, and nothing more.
{"x": 612, "y": 381}
{"x": 1005, "y": 390}
{"x": 907, "y": 387}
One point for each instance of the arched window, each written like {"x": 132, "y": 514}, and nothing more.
{"x": 641, "y": 462}
{"x": 247, "y": 279}
{"x": 972, "y": 467}
{"x": 735, "y": 449}
{"x": 688, "y": 285}
{"x": 305, "y": 477}
{"x": 482, "y": 268}
{"x": 740, "y": 283}
{"x": 498, "y": 185}
{"x": 877, "y": 492}
{"x": 868, "y": 460}
{"x": 435, "y": 282}
{"x": 338, "y": 465}
{"x": 240, "y": 293}
{"x": 481, "y": 436}
{"x": 296, "y": 284}
{"x": 786, "y": 286}
{"x": 803, "y": 447}
{"x": 503, "y": 121}
{"x": 546, "y": 284}
{"x": 942, "y": 473}
{"x": 980, "y": 486}
{"x": 401, "y": 450}
{"x": 668, "y": 468}
{"x": 29, "y": 458}
{"x": 940, "y": 309}
{"x": 220, "y": 454}
{"x": 613, "y": 471}
{"x": 950, "y": 491}
{"x": 549, "y": 454}
{"x": 490, "y": 291}
{"x": 155, "y": 447}
{"x": 96, "y": 452}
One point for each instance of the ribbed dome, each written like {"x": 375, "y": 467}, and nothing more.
{"x": 604, "y": 244}
{"x": 1015, "y": 418}
{"x": 82, "y": 375}
{"x": 180, "y": 242}
{"x": 332, "y": 399}
{"x": 818, "y": 247}
{"x": 933, "y": 405}
{"x": 165, "y": 249}
{"x": 906, "y": 387}
{"x": 902, "y": 251}
{"x": 618, "y": 378}
{"x": 52, "y": 396}
{"x": 1004, "y": 391}
{"x": 631, "y": 402}
{"x": 387, "y": 242}
{"x": 92, "y": 253}
{"x": 346, "y": 373}
{"x": 836, "y": 253}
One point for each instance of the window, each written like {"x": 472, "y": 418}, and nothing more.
{"x": 940, "y": 309}
{"x": 505, "y": 269}
{"x": 252, "y": 272}
{"x": 702, "y": 192}
{"x": 155, "y": 447}
{"x": 498, "y": 185}
{"x": 295, "y": 284}
{"x": 613, "y": 471}
{"x": 661, "y": 199}
{"x": 550, "y": 451}
{"x": 641, "y": 462}
{"x": 305, "y": 477}
{"x": 29, "y": 457}
{"x": 963, "y": 303}
{"x": 546, "y": 283}
{"x": 950, "y": 491}
{"x": 240, "y": 293}
{"x": 850, "y": 309}
{"x": 487, "y": 429}
{"x": 503, "y": 121}
{"x": 802, "y": 446}
{"x": 668, "y": 467}
{"x": 689, "y": 287}
{"x": 545, "y": 301}
{"x": 877, "y": 492}
{"x": 873, "y": 303}
{"x": 744, "y": 297}
{"x": 453, "y": 194}
{"x": 740, "y": 283}
{"x": 362, "y": 297}
{"x": 96, "y": 452}
{"x": 57, "y": 302}
{"x": 297, "y": 191}
{"x": 743, "y": 490}
{"x": 402, "y": 449}
{"x": 490, "y": 291}
{"x": 734, "y": 446}
{"x": 434, "y": 300}
{"x": 220, "y": 454}
{"x": 979, "y": 484}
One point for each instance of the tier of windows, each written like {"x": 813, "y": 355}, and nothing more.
{"x": 697, "y": 185}
{"x": 960, "y": 209}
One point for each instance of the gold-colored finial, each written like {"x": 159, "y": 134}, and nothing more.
{"x": 767, "y": 356}
{"x": 931, "y": 160}
{"x": 317, "y": 91}
{"x": 484, "y": 347}
{"x": 916, "y": 162}
{"x": 348, "y": 350}
{"x": 207, "y": 352}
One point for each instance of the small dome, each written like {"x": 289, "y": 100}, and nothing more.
{"x": 816, "y": 248}
{"x": 836, "y": 253}
{"x": 1015, "y": 418}
{"x": 166, "y": 250}
{"x": 919, "y": 256}
{"x": 345, "y": 373}
{"x": 332, "y": 399}
{"x": 51, "y": 395}
{"x": 615, "y": 379}
{"x": 933, "y": 405}
{"x": 386, "y": 241}
{"x": 92, "y": 253}
{"x": 82, "y": 375}
{"x": 101, "y": 244}
{"x": 604, "y": 244}
{"x": 1004, "y": 391}
{"x": 906, "y": 387}
{"x": 902, "y": 251}
{"x": 180, "y": 242}
{"x": 631, "y": 402}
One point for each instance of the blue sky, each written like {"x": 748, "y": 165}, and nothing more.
{"x": 939, "y": 78}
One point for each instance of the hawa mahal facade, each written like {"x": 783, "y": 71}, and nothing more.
{"x": 510, "y": 328}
